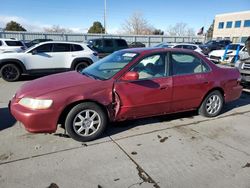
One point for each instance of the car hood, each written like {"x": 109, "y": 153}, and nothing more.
{"x": 53, "y": 83}
{"x": 220, "y": 53}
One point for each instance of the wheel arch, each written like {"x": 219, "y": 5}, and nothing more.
{"x": 16, "y": 62}
{"x": 211, "y": 90}
{"x": 66, "y": 110}
{"x": 78, "y": 60}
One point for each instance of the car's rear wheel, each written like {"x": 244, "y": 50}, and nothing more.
{"x": 212, "y": 104}
{"x": 10, "y": 72}
{"x": 80, "y": 66}
{"x": 85, "y": 122}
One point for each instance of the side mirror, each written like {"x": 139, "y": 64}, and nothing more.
{"x": 34, "y": 52}
{"x": 130, "y": 76}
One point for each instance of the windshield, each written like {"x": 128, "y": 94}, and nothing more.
{"x": 234, "y": 46}
{"x": 107, "y": 67}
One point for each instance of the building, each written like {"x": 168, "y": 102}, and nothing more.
{"x": 234, "y": 26}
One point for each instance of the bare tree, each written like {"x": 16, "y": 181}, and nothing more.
{"x": 180, "y": 29}
{"x": 57, "y": 29}
{"x": 190, "y": 32}
{"x": 136, "y": 24}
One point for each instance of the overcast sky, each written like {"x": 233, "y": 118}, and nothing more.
{"x": 78, "y": 15}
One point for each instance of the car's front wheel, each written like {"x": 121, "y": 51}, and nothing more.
{"x": 212, "y": 104}
{"x": 85, "y": 122}
{"x": 10, "y": 72}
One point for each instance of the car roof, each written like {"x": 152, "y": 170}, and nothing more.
{"x": 61, "y": 42}
{"x": 156, "y": 50}
{"x": 9, "y": 39}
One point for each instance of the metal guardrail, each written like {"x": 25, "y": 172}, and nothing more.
{"x": 148, "y": 40}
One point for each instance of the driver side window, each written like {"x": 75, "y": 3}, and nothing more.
{"x": 151, "y": 67}
{"x": 43, "y": 48}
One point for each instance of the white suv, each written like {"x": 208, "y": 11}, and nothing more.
{"x": 11, "y": 45}
{"x": 46, "y": 57}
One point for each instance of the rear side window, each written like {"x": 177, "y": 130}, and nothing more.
{"x": 178, "y": 46}
{"x": 75, "y": 47}
{"x": 187, "y": 64}
{"x": 108, "y": 43}
{"x": 189, "y": 47}
{"x": 121, "y": 43}
{"x": 13, "y": 43}
{"x": 1, "y": 43}
{"x": 44, "y": 48}
{"x": 60, "y": 47}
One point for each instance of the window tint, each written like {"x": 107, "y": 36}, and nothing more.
{"x": 44, "y": 48}
{"x": 221, "y": 25}
{"x": 0, "y": 43}
{"x": 189, "y": 47}
{"x": 187, "y": 64}
{"x": 247, "y": 23}
{"x": 178, "y": 46}
{"x": 229, "y": 24}
{"x": 151, "y": 67}
{"x": 108, "y": 43}
{"x": 13, "y": 43}
{"x": 75, "y": 47}
{"x": 121, "y": 43}
{"x": 237, "y": 24}
{"x": 60, "y": 47}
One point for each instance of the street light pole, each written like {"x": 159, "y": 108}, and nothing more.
{"x": 105, "y": 9}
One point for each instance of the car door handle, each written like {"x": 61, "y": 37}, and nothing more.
{"x": 163, "y": 86}
{"x": 73, "y": 55}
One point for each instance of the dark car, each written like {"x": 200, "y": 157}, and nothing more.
{"x": 136, "y": 45}
{"x": 36, "y": 41}
{"x": 106, "y": 46}
{"x": 214, "y": 45}
{"x": 128, "y": 84}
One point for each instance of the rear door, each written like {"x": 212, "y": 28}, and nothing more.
{"x": 151, "y": 94}
{"x": 191, "y": 80}
{"x": 62, "y": 55}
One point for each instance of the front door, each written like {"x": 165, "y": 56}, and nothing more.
{"x": 151, "y": 94}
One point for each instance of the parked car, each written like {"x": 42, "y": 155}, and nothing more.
{"x": 214, "y": 45}
{"x": 47, "y": 57}
{"x": 165, "y": 45}
{"x": 36, "y": 41}
{"x": 217, "y": 55}
{"x": 106, "y": 46}
{"x": 136, "y": 45}
{"x": 189, "y": 47}
{"x": 243, "y": 64}
{"x": 11, "y": 45}
{"x": 122, "y": 86}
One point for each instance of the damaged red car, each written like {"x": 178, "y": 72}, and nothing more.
{"x": 128, "y": 84}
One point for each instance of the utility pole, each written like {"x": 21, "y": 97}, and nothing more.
{"x": 105, "y": 9}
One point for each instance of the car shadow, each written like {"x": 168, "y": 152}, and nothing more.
{"x": 29, "y": 77}
{"x": 6, "y": 119}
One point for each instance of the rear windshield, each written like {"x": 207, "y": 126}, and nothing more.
{"x": 13, "y": 43}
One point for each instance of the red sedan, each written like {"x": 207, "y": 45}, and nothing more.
{"x": 128, "y": 84}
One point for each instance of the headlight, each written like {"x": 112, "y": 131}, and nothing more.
{"x": 36, "y": 103}
{"x": 237, "y": 64}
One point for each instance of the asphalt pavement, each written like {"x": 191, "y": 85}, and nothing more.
{"x": 179, "y": 150}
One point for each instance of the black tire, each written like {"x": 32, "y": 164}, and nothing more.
{"x": 80, "y": 66}
{"x": 82, "y": 127}
{"x": 215, "y": 101}
{"x": 10, "y": 72}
